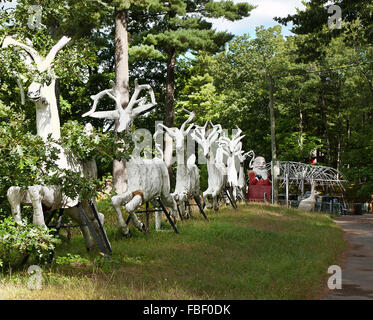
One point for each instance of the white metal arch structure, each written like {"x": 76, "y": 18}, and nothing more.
{"x": 301, "y": 173}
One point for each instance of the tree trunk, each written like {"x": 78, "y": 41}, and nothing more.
{"x": 122, "y": 87}
{"x": 340, "y": 127}
{"x": 169, "y": 108}
{"x": 325, "y": 120}
{"x": 300, "y": 126}
{"x": 273, "y": 140}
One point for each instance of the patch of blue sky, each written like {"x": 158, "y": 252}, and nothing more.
{"x": 263, "y": 14}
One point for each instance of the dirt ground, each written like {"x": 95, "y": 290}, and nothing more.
{"x": 357, "y": 267}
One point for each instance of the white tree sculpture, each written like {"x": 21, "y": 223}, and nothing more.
{"x": 125, "y": 116}
{"x": 231, "y": 147}
{"x": 48, "y": 123}
{"x": 147, "y": 179}
{"x": 187, "y": 174}
{"x": 217, "y": 175}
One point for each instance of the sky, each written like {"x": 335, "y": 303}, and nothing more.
{"x": 262, "y": 15}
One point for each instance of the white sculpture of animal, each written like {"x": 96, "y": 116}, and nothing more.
{"x": 231, "y": 147}
{"x": 308, "y": 204}
{"x": 48, "y": 124}
{"x": 125, "y": 116}
{"x": 187, "y": 174}
{"x": 242, "y": 185}
{"x": 147, "y": 179}
{"x": 43, "y": 95}
{"x": 217, "y": 175}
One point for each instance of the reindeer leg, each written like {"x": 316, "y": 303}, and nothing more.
{"x": 215, "y": 203}
{"x": 131, "y": 207}
{"x": 117, "y": 201}
{"x": 36, "y": 200}
{"x": 14, "y": 198}
{"x": 206, "y": 201}
{"x": 75, "y": 215}
{"x": 169, "y": 201}
{"x": 183, "y": 210}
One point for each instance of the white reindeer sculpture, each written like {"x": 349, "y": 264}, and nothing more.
{"x": 308, "y": 204}
{"x": 147, "y": 179}
{"x": 231, "y": 147}
{"x": 242, "y": 185}
{"x": 217, "y": 175}
{"x": 187, "y": 174}
{"x": 48, "y": 123}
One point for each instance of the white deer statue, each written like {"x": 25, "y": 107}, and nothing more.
{"x": 217, "y": 175}
{"x": 187, "y": 174}
{"x": 308, "y": 204}
{"x": 231, "y": 147}
{"x": 48, "y": 124}
{"x": 147, "y": 179}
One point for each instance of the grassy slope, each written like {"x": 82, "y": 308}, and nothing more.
{"x": 258, "y": 252}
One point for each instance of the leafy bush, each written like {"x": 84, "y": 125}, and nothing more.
{"x": 19, "y": 241}
{"x": 25, "y": 159}
{"x": 100, "y": 146}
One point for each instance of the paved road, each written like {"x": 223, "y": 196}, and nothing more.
{"x": 357, "y": 271}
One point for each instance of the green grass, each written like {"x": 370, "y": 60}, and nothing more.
{"x": 257, "y": 252}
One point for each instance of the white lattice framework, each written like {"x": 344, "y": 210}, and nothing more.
{"x": 300, "y": 173}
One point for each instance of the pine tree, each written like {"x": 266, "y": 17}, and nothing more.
{"x": 181, "y": 26}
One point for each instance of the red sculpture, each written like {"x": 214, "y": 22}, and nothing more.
{"x": 260, "y": 185}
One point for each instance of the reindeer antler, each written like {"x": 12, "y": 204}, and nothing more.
{"x": 233, "y": 145}
{"x": 125, "y": 116}
{"x": 215, "y": 132}
{"x": 242, "y": 155}
{"x": 42, "y": 64}
{"x": 114, "y": 114}
{"x": 198, "y": 134}
{"x": 142, "y": 108}
{"x": 191, "y": 117}
{"x": 157, "y": 145}
{"x": 252, "y": 153}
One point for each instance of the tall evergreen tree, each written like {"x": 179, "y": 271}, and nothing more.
{"x": 178, "y": 27}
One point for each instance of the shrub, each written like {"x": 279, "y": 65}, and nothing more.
{"x": 21, "y": 241}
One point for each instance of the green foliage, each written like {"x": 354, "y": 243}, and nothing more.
{"x": 175, "y": 26}
{"x": 103, "y": 147}
{"x": 328, "y": 111}
{"x": 18, "y": 241}
{"x": 72, "y": 259}
{"x": 24, "y": 158}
